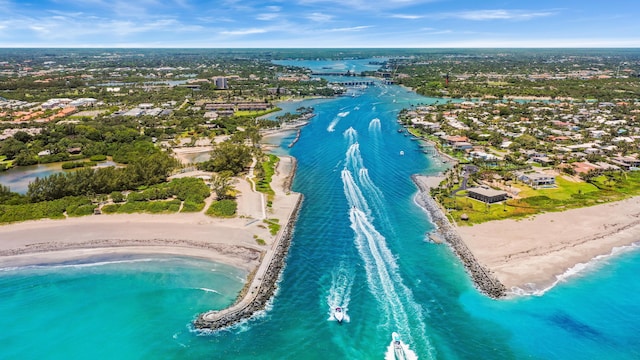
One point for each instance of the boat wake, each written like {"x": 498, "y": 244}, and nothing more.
{"x": 396, "y": 301}
{"x": 355, "y": 164}
{"x": 351, "y": 134}
{"x": 336, "y": 120}
{"x": 340, "y": 292}
{"x": 398, "y": 350}
{"x": 374, "y": 125}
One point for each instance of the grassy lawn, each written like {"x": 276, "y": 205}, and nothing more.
{"x": 263, "y": 181}
{"x": 564, "y": 190}
{"x": 479, "y": 212}
{"x": 568, "y": 195}
{"x": 255, "y": 113}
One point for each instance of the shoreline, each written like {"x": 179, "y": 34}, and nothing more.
{"x": 227, "y": 241}
{"x": 552, "y": 247}
{"x": 530, "y": 256}
{"x": 482, "y": 277}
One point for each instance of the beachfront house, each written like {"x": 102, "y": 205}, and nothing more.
{"x": 486, "y": 194}
{"x": 537, "y": 179}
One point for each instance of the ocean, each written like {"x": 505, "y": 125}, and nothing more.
{"x": 359, "y": 243}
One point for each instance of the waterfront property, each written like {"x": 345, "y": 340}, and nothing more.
{"x": 487, "y": 194}
{"x": 536, "y": 179}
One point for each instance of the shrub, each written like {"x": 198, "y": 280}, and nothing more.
{"x": 98, "y": 158}
{"x": 190, "y": 206}
{"x": 223, "y": 208}
{"x": 72, "y": 165}
{"x": 274, "y": 227}
{"x": 117, "y": 196}
{"x": 111, "y": 209}
{"x": 81, "y": 210}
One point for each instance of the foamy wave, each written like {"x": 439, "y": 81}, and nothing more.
{"x": 75, "y": 266}
{"x": 209, "y": 290}
{"x": 577, "y": 270}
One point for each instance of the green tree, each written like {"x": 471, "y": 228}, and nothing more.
{"x": 11, "y": 148}
{"x": 221, "y": 184}
{"x": 228, "y": 156}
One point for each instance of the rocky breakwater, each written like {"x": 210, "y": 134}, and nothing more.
{"x": 261, "y": 287}
{"x": 480, "y": 275}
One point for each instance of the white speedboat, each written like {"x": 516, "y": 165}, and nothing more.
{"x": 338, "y": 314}
{"x": 398, "y": 349}
{"x": 401, "y": 152}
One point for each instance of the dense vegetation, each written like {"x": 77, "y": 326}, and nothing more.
{"x": 147, "y": 169}
{"x": 223, "y": 208}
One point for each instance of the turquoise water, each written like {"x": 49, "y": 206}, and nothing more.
{"x": 359, "y": 243}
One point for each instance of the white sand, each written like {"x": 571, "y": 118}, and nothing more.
{"x": 228, "y": 241}
{"x": 532, "y": 253}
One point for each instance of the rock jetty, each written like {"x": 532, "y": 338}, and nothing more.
{"x": 261, "y": 285}
{"x": 480, "y": 275}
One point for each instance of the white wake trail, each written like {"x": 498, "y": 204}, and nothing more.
{"x": 336, "y": 120}
{"x": 383, "y": 276}
{"x": 354, "y": 195}
{"x": 353, "y": 159}
{"x": 351, "y": 134}
{"x": 340, "y": 291}
{"x": 374, "y": 125}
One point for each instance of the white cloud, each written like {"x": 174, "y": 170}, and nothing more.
{"x": 408, "y": 17}
{"x": 498, "y": 14}
{"x": 319, "y": 17}
{"x": 40, "y": 29}
{"x": 353, "y": 28}
{"x": 243, "y": 32}
{"x": 267, "y": 16}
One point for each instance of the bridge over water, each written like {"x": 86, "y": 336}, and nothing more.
{"x": 354, "y": 83}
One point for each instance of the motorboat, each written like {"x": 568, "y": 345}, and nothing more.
{"x": 338, "y": 314}
{"x": 401, "y": 152}
{"x": 398, "y": 349}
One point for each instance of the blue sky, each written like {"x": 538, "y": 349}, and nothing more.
{"x": 319, "y": 23}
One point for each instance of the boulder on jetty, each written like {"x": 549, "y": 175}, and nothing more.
{"x": 482, "y": 277}
{"x": 260, "y": 289}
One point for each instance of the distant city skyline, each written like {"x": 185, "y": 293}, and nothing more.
{"x": 318, "y": 23}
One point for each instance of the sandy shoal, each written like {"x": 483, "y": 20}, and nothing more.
{"x": 532, "y": 253}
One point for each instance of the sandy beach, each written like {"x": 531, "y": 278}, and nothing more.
{"x": 229, "y": 241}
{"x": 533, "y": 253}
